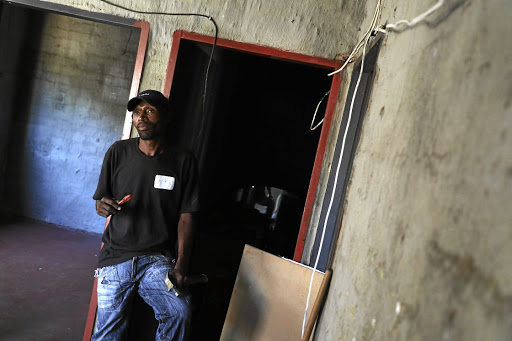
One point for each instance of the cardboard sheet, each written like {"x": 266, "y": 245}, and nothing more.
{"x": 269, "y": 298}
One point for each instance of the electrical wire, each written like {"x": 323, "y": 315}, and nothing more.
{"x": 316, "y": 110}
{"x": 407, "y": 24}
{"x": 366, "y": 38}
{"x": 365, "y": 42}
{"x": 211, "y": 53}
{"x": 368, "y": 33}
{"x": 334, "y": 185}
{"x": 350, "y": 58}
{"x": 385, "y": 29}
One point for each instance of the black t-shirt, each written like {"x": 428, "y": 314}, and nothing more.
{"x": 162, "y": 187}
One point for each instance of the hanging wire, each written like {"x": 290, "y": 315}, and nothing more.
{"x": 316, "y": 110}
{"x": 365, "y": 42}
{"x": 368, "y": 33}
{"x": 362, "y": 43}
{"x": 211, "y": 53}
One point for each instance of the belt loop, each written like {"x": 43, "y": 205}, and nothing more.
{"x": 134, "y": 261}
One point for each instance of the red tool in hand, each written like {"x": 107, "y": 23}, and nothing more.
{"x": 125, "y": 199}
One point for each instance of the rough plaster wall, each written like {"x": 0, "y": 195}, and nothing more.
{"x": 302, "y": 26}
{"x": 428, "y": 225}
{"x": 80, "y": 83}
{"x": 427, "y": 220}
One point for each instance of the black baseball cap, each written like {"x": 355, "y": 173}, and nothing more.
{"x": 153, "y": 97}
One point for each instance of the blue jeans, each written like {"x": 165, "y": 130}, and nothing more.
{"x": 116, "y": 285}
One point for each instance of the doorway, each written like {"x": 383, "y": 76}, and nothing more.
{"x": 259, "y": 161}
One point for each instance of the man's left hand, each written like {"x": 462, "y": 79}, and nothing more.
{"x": 180, "y": 277}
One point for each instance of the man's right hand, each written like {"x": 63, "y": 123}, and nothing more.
{"x": 107, "y": 206}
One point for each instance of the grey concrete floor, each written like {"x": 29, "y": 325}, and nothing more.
{"x": 46, "y": 278}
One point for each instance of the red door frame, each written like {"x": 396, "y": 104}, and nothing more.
{"x": 330, "y": 65}
{"x": 134, "y": 89}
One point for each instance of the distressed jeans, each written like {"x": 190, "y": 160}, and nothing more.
{"x": 116, "y": 285}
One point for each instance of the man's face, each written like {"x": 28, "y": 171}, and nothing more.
{"x": 146, "y": 119}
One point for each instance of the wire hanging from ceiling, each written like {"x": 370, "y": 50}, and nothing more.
{"x": 183, "y": 14}
{"x": 316, "y": 111}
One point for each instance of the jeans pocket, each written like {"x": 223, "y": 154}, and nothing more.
{"x": 107, "y": 273}
{"x": 110, "y": 293}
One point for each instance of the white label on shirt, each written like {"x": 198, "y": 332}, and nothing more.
{"x": 164, "y": 182}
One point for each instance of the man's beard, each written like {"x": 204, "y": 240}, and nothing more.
{"x": 149, "y": 134}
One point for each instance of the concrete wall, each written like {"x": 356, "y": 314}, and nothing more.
{"x": 427, "y": 226}
{"x": 67, "y": 96}
{"x": 425, "y": 246}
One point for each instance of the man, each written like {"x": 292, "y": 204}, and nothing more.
{"x": 150, "y": 235}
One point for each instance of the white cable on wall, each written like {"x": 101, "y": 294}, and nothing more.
{"x": 362, "y": 43}
{"x": 334, "y": 187}
{"x": 365, "y": 42}
{"x": 413, "y": 22}
{"x": 368, "y": 33}
{"x": 351, "y": 56}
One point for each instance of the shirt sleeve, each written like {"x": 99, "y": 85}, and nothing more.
{"x": 104, "y": 188}
{"x": 190, "y": 199}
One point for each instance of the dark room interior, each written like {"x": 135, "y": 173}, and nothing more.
{"x": 255, "y": 151}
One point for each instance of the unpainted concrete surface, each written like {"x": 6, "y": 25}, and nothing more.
{"x": 67, "y": 95}
{"x": 424, "y": 250}
{"x": 303, "y": 26}
{"x": 425, "y": 247}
